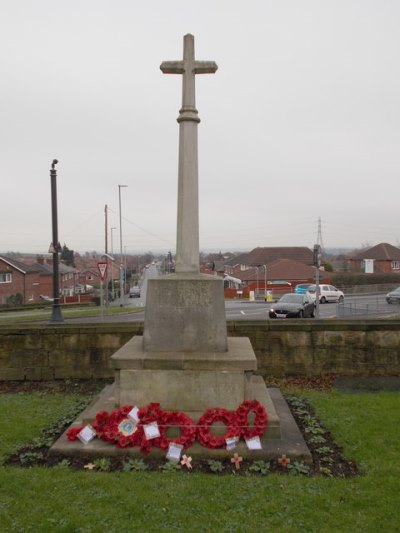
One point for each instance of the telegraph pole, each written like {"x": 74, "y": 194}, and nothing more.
{"x": 106, "y": 248}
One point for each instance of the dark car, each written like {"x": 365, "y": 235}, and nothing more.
{"x": 393, "y": 297}
{"x": 293, "y": 306}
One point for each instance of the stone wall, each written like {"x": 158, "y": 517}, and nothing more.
{"x": 306, "y": 348}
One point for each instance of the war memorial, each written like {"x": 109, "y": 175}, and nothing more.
{"x": 185, "y": 362}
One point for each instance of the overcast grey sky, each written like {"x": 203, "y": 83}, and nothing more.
{"x": 301, "y": 120}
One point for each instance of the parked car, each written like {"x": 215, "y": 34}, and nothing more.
{"x": 134, "y": 292}
{"x": 302, "y": 288}
{"x": 293, "y": 306}
{"x": 327, "y": 293}
{"x": 393, "y": 297}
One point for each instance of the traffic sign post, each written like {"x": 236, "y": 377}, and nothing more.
{"x": 102, "y": 266}
{"x": 102, "y": 269}
{"x": 317, "y": 264}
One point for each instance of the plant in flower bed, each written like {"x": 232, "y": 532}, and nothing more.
{"x": 327, "y": 455}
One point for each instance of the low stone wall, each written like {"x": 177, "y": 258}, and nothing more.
{"x": 283, "y": 348}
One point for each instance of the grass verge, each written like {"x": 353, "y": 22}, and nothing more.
{"x": 31, "y": 316}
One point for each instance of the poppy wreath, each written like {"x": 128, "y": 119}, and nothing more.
{"x": 107, "y": 427}
{"x": 204, "y": 435}
{"x": 72, "y": 433}
{"x": 260, "y": 421}
{"x": 149, "y": 413}
{"x": 185, "y": 424}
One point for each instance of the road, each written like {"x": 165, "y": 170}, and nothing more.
{"x": 373, "y": 306}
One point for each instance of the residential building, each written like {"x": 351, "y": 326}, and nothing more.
{"x": 382, "y": 258}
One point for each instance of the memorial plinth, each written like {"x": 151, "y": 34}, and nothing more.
{"x": 185, "y": 313}
{"x": 183, "y": 381}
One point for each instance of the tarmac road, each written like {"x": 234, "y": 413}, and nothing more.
{"x": 245, "y": 310}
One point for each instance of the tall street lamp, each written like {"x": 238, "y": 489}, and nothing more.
{"x": 121, "y": 258}
{"x": 56, "y": 314}
{"x": 112, "y": 264}
{"x": 265, "y": 282}
{"x": 257, "y": 283}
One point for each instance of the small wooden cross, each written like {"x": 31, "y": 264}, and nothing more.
{"x": 90, "y": 466}
{"x": 284, "y": 461}
{"x": 236, "y": 459}
{"x": 186, "y": 461}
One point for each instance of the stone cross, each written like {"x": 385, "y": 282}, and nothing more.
{"x": 187, "y": 242}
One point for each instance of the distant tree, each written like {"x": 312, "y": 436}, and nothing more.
{"x": 67, "y": 256}
{"x": 148, "y": 258}
{"x": 328, "y": 266}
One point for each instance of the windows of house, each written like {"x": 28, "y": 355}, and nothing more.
{"x": 395, "y": 265}
{"x": 5, "y": 277}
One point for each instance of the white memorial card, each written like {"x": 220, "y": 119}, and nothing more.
{"x": 254, "y": 443}
{"x": 174, "y": 452}
{"x": 133, "y": 414}
{"x": 231, "y": 443}
{"x": 86, "y": 434}
{"x": 151, "y": 430}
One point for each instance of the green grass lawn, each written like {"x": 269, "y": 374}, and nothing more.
{"x": 42, "y": 499}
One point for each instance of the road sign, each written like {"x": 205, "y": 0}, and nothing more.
{"x": 102, "y": 269}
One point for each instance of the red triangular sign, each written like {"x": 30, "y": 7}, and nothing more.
{"x": 102, "y": 269}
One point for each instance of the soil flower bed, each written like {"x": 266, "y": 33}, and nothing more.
{"x": 327, "y": 456}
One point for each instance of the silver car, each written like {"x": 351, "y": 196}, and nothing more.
{"x": 393, "y": 297}
{"x": 327, "y": 293}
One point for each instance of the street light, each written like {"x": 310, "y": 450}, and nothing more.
{"x": 257, "y": 283}
{"x": 265, "y": 282}
{"x": 121, "y": 258}
{"x": 56, "y": 314}
{"x": 112, "y": 264}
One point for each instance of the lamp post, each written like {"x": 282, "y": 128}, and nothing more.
{"x": 265, "y": 282}
{"x": 257, "y": 282}
{"x": 121, "y": 257}
{"x": 56, "y": 314}
{"x": 112, "y": 264}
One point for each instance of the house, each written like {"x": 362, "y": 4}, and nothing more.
{"x": 89, "y": 277}
{"x": 69, "y": 276}
{"x": 280, "y": 276}
{"x": 21, "y": 283}
{"x": 382, "y": 258}
{"x": 267, "y": 255}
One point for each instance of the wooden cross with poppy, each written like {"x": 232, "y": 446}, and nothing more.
{"x": 186, "y": 461}
{"x": 236, "y": 459}
{"x": 284, "y": 461}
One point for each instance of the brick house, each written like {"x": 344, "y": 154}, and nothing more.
{"x": 22, "y": 283}
{"x": 69, "y": 277}
{"x": 89, "y": 276}
{"x": 267, "y": 255}
{"x": 382, "y": 258}
{"x": 281, "y": 275}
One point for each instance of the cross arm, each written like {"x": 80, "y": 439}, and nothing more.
{"x": 205, "y": 67}
{"x": 172, "y": 67}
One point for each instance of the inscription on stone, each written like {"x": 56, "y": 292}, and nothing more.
{"x": 185, "y": 294}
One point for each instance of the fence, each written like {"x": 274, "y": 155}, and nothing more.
{"x": 359, "y": 310}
